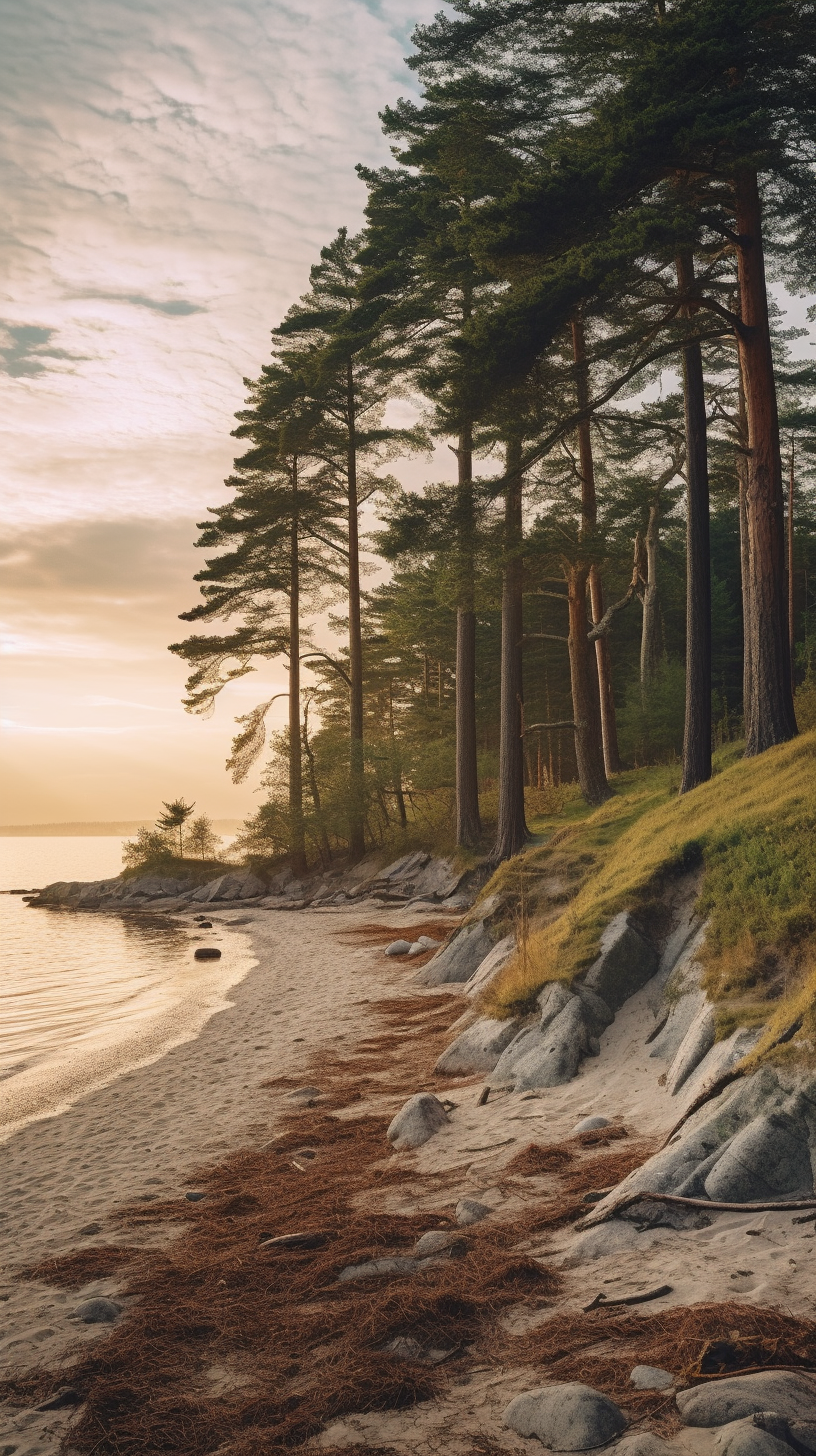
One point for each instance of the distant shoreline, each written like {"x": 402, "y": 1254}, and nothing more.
{"x": 98, "y": 828}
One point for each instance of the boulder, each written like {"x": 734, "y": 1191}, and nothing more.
{"x": 555, "y": 1059}
{"x": 698, "y": 1040}
{"x": 440, "y": 1241}
{"x": 494, "y": 962}
{"x": 589, "y": 1124}
{"x": 477, "y": 1049}
{"x": 804, "y": 1434}
{"x": 374, "y": 1268}
{"x": 598, "y": 1014}
{"x": 98, "y": 1311}
{"x": 522, "y": 1044}
{"x": 651, "y": 1377}
{"x": 770, "y": 1158}
{"x": 626, "y": 962}
{"x": 721, "y": 1059}
{"x": 790, "y": 1394}
{"x": 417, "y": 1121}
{"x": 743, "y": 1438}
{"x": 398, "y": 947}
{"x": 551, "y": 1001}
{"x": 469, "y": 1211}
{"x": 425, "y": 942}
{"x": 643, "y": 1443}
{"x": 569, "y": 1417}
{"x": 459, "y": 959}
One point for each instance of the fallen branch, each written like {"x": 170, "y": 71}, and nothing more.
{"x": 540, "y": 727}
{"x": 600, "y": 1216}
{"x": 601, "y": 1300}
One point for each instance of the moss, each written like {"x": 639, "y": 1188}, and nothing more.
{"x": 753, "y": 827}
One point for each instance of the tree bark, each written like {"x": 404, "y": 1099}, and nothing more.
{"x": 468, "y": 821}
{"x": 791, "y": 601}
{"x": 697, "y": 732}
{"x": 357, "y": 773}
{"x": 609, "y": 726}
{"x": 651, "y": 644}
{"x": 745, "y": 562}
{"x": 297, "y": 833}
{"x": 771, "y": 716}
{"x": 511, "y": 829}
{"x": 325, "y": 847}
{"x": 586, "y": 704}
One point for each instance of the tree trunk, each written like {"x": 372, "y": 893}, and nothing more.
{"x": 791, "y": 601}
{"x": 586, "y": 704}
{"x": 697, "y": 733}
{"x": 356, "y": 776}
{"x": 651, "y": 645}
{"x": 397, "y": 768}
{"x": 468, "y": 822}
{"x": 297, "y": 835}
{"x": 771, "y": 714}
{"x": 325, "y": 847}
{"x": 745, "y": 563}
{"x": 609, "y": 726}
{"x": 511, "y": 830}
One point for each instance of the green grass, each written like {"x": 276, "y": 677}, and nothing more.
{"x": 753, "y": 829}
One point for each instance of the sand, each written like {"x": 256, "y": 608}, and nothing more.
{"x": 142, "y": 1136}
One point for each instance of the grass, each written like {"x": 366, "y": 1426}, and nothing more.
{"x": 752, "y": 828}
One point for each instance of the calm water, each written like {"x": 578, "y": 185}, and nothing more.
{"x": 84, "y": 996}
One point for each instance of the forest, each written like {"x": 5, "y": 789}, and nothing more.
{"x": 573, "y": 278}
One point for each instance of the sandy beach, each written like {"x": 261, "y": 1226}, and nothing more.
{"x": 315, "y": 991}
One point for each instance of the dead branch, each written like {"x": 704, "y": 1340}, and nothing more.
{"x": 601, "y": 1301}
{"x": 636, "y": 585}
{"x": 541, "y": 727}
{"x": 541, "y": 637}
{"x": 600, "y": 1216}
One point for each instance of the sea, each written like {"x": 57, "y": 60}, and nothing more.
{"x": 87, "y": 996}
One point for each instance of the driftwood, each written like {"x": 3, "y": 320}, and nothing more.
{"x": 600, "y": 1216}
{"x": 601, "y": 1302}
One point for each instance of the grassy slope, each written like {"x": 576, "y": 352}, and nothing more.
{"x": 753, "y": 827}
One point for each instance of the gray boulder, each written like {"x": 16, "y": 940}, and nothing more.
{"x": 787, "y": 1393}
{"x": 770, "y": 1158}
{"x": 643, "y": 1443}
{"x": 722, "y": 1058}
{"x": 589, "y": 1124}
{"x": 804, "y": 1433}
{"x": 626, "y": 962}
{"x": 555, "y": 1059}
{"x": 488, "y": 969}
{"x": 425, "y": 942}
{"x": 743, "y": 1438}
{"x": 469, "y": 1211}
{"x": 417, "y": 1121}
{"x": 698, "y": 1040}
{"x": 98, "y": 1311}
{"x": 651, "y": 1377}
{"x": 569, "y": 1417}
{"x": 552, "y": 1000}
{"x": 681, "y": 1014}
{"x": 598, "y": 1014}
{"x": 477, "y": 1049}
{"x": 524, "y": 1042}
{"x": 398, "y": 947}
{"x": 459, "y": 959}
{"x": 439, "y": 1241}
{"x": 375, "y": 1268}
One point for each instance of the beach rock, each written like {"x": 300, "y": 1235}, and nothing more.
{"x": 413, "y": 876}
{"x": 98, "y": 1311}
{"x": 469, "y": 1210}
{"x": 488, "y": 969}
{"x": 459, "y": 959}
{"x": 743, "y": 1438}
{"x": 723, "y": 1056}
{"x": 440, "y": 1241}
{"x": 205, "y": 925}
{"x": 194, "y": 1197}
{"x": 398, "y": 947}
{"x": 651, "y": 1377}
{"x": 616, "y": 1236}
{"x": 304, "y": 1096}
{"x": 787, "y": 1393}
{"x": 555, "y": 1059}
{"x": 666, "y": 1043}
{"x": 417, "y": 1121}
{"x": 207, "y": 953}
{"x": 697, "y": 1041}
{"x": 405, "y": 1347}
{"x": 626, "y": 962}
{"x": 643, "y": 1443}
{"x": 597, "y": 1013}
{"x": 770, "y": 1158}
{"x": 63, "y": 1398}
{"x": 477, "y": 1049}
{"x": 804, "y": 1434}
{"x": 425, "y": 942}
{"x": 551, "y": 1002}
{"x": 375, "y": 1268}
{"x": 589, "y": 1124}
{"x": 569, "y": 1417}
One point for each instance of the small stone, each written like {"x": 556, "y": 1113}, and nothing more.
{"x": 207, "y": 953}
{"x": 569, "y": 1417}
{"x": 98, "y": 1311}
{"x": 398, "y": 947}
{"x": 438, "y": 1241}
{"x": 405, "y": 1347}
{"x": 306, "y": 1096}
{"x": 417, "y": 1121}
{"x": 194, "y": 1197}
{"x": 589, "y": 1124}
{"x": 373, "y": 1268}
{"x": 425, "y": 942}
{"x": 651, "y": 1377}
{"x": 90, "y": 1229}
{"x": 64, "y": 1397}
{"x": 469, "y": 1210}
{"x": 789, "y": 1394}
{"x": 205, "y": 925}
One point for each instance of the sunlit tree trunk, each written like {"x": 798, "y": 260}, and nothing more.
{"x": 468, "y": 822}
{"x": 771, "y": 716}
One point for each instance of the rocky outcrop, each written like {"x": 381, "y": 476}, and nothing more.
{"x": 163, "y": 891}
{"x": 415, "y": 876}
{"x": 626, "y": 962}
{"x": 477, "y": 1049}
{"x": 488, "y": 969}
{"x": 467, "y": 949}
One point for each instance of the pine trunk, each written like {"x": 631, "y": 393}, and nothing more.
{"x": 589, "y": 512}
{"x": 697, "y": 732}
{"x": 771, "y": 716}
{"x": 511, "y": 830}
{"x": 468, "y": 822}
{"x": 791, "y": 598}
{"x": 745, "y": 564}
{"x": 356, "y": 765}
{"x": 651, "y": 644}
{"x": 586, "y": 705}
{"x": 297, "y": 834}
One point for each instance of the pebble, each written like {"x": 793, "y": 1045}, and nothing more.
{"x": 398, "y": 947}
{"x": 589, "y": 1124}
{"x": 98, "y": 1311}
{"x": 194, "y": 1197}
{"x": 651, "y": 1377}
{"x": 207, "y": 953}
{"x": 469, "y": 1210}
{"x": 438, "y": 1240}
{"x": 305, "y": 1095}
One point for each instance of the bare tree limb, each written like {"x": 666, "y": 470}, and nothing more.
{"x": 540, "y": 727}
{"x": 541, "y": 637}
{"x": 330, "y": 660}
{"x": 764, "y": 1206}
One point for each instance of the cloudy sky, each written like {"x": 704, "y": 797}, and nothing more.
{"x": 169, "y": 172}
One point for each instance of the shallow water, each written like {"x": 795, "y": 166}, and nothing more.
{"x": 85, "y": 996}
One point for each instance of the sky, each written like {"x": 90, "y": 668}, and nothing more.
{"x": 169, "y": 173}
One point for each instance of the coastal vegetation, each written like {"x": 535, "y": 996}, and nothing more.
{"x": 162, "y": 847}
